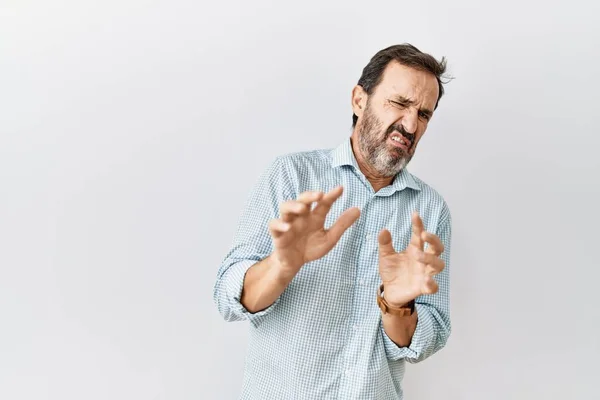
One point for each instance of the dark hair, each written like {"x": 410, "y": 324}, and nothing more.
{"x": 406, "y": 54}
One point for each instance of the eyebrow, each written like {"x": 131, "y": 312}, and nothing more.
{"x": 407, "y": 102}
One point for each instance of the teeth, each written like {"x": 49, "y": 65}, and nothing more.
{"x": 397, "y": 139}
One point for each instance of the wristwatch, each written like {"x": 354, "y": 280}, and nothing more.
{"x": 404, "y": 311}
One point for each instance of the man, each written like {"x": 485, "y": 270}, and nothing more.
{"x": 340, "y": 262}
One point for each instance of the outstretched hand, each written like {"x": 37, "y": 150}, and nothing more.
{"x": 410, "y": 273}
{"x": 299, "y": 235}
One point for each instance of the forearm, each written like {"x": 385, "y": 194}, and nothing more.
{"x": 400, "y": 329}
{"x": 264, "y": 282}
{"x": 430, "y": 335}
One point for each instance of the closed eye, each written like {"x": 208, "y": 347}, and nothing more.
{"x": 399, "y": 104}
{"x": 403, "y": 103}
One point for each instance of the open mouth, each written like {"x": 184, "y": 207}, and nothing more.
{"x": 397, "y": 140}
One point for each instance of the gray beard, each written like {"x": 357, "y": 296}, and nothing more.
{"x": 372, "y": 141}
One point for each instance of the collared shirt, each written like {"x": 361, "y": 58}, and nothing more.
{"x": 323, "y": 338}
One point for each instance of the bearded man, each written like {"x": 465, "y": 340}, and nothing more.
{"x": 341, "y": 259}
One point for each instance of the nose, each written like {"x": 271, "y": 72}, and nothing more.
{"x": 410, "y": 121}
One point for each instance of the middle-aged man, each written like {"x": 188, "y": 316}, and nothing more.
{"x": 340, "y": 261}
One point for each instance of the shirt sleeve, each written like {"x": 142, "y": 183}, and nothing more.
{"x": 252, "y": 242}
{"x": 433, "y": 311}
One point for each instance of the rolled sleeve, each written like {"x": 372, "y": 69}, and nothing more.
{"x": 233, "y": 281}
{"x": 252, "y": 242}
{"x": 433, "y": 311}
{"x": 422, "y": 340}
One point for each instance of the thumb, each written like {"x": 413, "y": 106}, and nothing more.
{"x": 386, "y": 246}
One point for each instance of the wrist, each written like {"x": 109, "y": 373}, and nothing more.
{"x": 388, "y": 306}
{"x": 280, "y": 271}
{"x": 395, "y": 294}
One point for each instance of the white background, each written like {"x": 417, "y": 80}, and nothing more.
{"x": 131, "y": 133}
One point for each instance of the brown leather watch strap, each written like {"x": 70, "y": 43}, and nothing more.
{"x": 404, "y": 311}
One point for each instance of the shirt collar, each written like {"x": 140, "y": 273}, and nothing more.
{"x": 343, "y": 155}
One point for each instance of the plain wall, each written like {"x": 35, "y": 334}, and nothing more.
{"x": 131, "y": 133}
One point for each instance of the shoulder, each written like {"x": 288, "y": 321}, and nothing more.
{"x": 302, "y": 158}
{"x": 301, "y": 162}
{"x": 296, "y": 168}
{"x": 432, "y": 197}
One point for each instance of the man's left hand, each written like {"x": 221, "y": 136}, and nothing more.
{"x": 410, "y": 273}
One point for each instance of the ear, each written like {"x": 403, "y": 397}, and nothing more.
{"x": 359, "y": 100}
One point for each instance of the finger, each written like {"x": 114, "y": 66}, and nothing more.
{"x": 430, "y": 286}
{"x": 324, "y": 205}
{"x": 435, "y": 267}
{"x": 278, "y": 227}
{"x": 427, "y": 258}
{"x": 417, "y": 229}
{"x": 289, "y": 210}
{"x": 435, "y": 244}
{"x": 433, "y": 263}
{"x": 343, "y": 222}
{"x": 310, "y": 197}
{"x": 386, "y": 247}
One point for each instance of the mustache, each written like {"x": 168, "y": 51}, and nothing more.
{"x": 400, "y": 128}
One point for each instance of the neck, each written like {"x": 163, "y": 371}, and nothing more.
{"x": 376, "y": 180}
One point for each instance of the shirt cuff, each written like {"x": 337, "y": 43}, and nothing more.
{"x": 234, "y": 278}
{"x": 422, "y": 339}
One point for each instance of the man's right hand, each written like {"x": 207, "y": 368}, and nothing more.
{"x": 299, "y": 235}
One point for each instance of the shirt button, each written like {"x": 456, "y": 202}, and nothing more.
{"x": 362, "y": 282}
{"x": 355, "y": 327}
{"x": 368, "y": 236}
{"x": 348, "y": 372}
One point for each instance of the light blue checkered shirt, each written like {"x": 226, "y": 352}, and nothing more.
{"x": 323, "y": 337}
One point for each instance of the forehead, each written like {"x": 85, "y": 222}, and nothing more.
{"x": 413, "y": 84}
